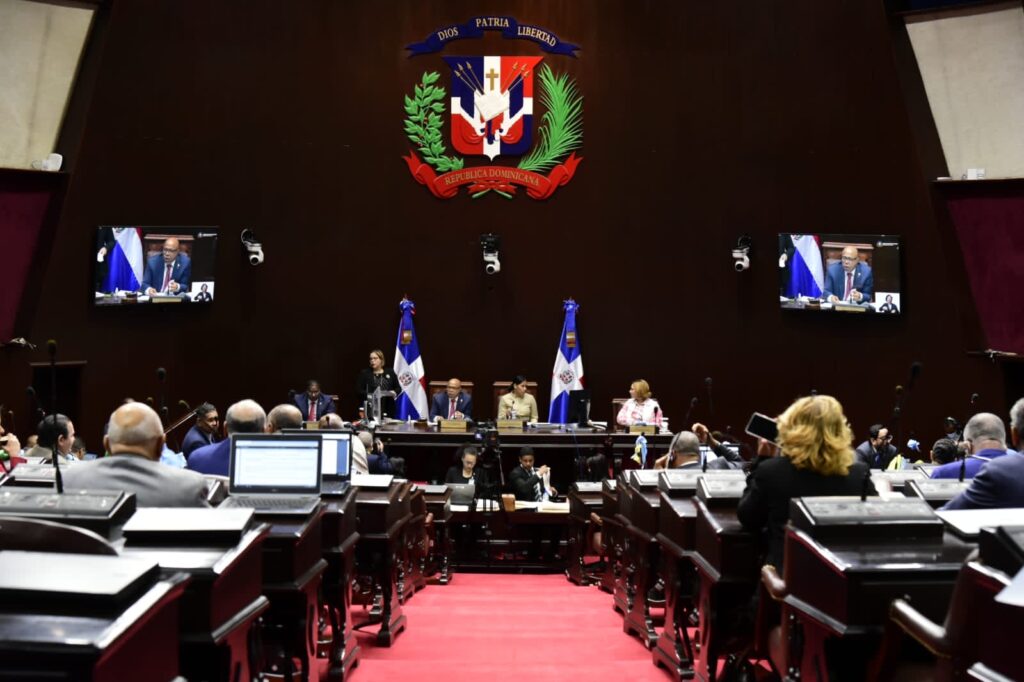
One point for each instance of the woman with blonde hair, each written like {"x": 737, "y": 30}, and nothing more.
{"x": 641, "y": 408}
{"x": 816, "y": 459}
{"x": 377, "y": 375}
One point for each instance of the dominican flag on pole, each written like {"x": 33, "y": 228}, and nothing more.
{"x": 412, "y": 402}
{"x": 806, "y": 274}
{"x": 125, "y": 260}
{"x": 568, "y": 372}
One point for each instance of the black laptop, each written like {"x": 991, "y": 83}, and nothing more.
{"x": 274, "y": 473}
{"x": 335, "y": 458}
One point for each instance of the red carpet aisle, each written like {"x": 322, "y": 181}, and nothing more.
{"x": 489, "y": 628}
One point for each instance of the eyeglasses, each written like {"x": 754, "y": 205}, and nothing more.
{"x": 849, "y": 259}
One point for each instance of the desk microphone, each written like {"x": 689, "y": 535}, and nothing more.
{"x": 184, "y": 405}
{"x": 864, "y": 485}
{"x": 51, "y": 348}
{"x": 37, "y": 411}
{"x": 963, "y": 467}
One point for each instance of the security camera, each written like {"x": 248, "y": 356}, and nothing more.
{"x": 252, "y": 247}
{"x": 491, "y": 245}
{"x": 741, "y": 254}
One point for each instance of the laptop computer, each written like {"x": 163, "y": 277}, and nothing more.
{"x": 462, "y": 493}
{"x": 274, "y": 473}
{"x": 335, "y": 458}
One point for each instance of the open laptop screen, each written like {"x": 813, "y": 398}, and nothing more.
{"x": 262, "y": 463}
{"x": 335, "y": 453}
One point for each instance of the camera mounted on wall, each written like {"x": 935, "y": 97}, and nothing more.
{"x": 741, "y": 253}
{"x": 252, "y": 246}
{"x": 491, "y": 245}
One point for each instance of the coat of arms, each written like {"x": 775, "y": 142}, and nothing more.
{"x": 490, "y": 102}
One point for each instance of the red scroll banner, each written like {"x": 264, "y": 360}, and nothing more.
{"x": 499, "y": 178}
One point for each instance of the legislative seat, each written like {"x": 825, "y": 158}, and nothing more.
{"x": 584, "y": 499}
{"x": 978, "y": 627}
{"x": 846, "y": 560}
{"x": 435, "y": 387}
{"x": 500, "y": 388}
{"x": 340, "y": 536}
{"x": 642, "y": 553}
{"x": 34, "y": 535}
{"x": 617, "y": 404}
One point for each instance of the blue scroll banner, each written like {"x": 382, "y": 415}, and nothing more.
{"x": 510, "y": 30}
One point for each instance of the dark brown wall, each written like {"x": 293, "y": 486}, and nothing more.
{"x": 704, "y": 120}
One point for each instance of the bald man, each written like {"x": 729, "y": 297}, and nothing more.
{"x": 169, "y": 272}
{"x": 284, "y": 417}
{"x": 850, "y": 280}
{"x": 454, "y": 403}
{"x": 135, "y": 439}
{"x": 245, "y": 416}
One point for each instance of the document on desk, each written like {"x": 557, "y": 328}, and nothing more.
{"x": 372, "y": 480}
{"x": 553, "y": 507}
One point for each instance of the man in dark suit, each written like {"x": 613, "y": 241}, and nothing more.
{"x": 313, "y": 404}
{"x": 169, "y": 272}
{"x": 245, "y": 416}
{"x": 135, "y": 439}
{"x": 849, "y": 280}
{"x": 454, "y": 403}
{"x": 528, "y": 485}
{"x": 203, "y": 432}
{"x": 1000, "y": 483}
{"x": 877, "y": 451}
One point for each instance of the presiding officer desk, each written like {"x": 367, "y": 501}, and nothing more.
{"x": 429, "y": 452}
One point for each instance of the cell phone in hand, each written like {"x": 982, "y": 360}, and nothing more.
{"x": 763, "y": 426}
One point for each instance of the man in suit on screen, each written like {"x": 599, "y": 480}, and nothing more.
{"x": 168, "y": 272}
{"x": 850, "y": 280}
{"x": 454, "y": 403}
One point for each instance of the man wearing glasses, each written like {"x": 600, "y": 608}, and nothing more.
{"x": 168, "y": 273}
{"x": 204, "y": 432}
{"x": 850, "y": 280}
{"x": 877, "y": 451}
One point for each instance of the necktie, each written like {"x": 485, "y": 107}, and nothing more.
{"x": 849, "y": 286}
{"x": 167, "y": 278}
{"x": 312, "y": 410}
{"x": 451, "y": 410}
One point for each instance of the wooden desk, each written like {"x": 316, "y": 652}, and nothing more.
{"x": 727, "y": 560}
{"x": 414, "y": 546}
{"x": 840, "y": 590}
{"x": 429, "y": 453}
{"x": 611, "y": 544}
{"x": 292, "y": 574}
{"x": 221, "y": 602}
{"x": 639, "y": 517}
{"x": 438, "y": 501}
{"x": 54, "y": 636}
{"x": 584, "y": 499}
{"x": 677, "y": 530}
{"x": 340, "y": 536}
{"x": 381, "y": 523}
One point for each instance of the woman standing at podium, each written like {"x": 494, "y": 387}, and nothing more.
{"x": 378, "y": 376}
{"x": 816, "y": 459}
{"x": 641, "y": 408}
{"x": 518, "y": 403}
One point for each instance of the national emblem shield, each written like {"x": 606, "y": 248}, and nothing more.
{"x": 492, "y": 104}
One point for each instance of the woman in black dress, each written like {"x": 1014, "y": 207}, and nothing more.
{"x": 378, "y": 376}
{"x": 463, "y": 472}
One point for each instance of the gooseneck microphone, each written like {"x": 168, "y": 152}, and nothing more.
{"x": 864, "y": 485}
{"x": 686, "y": 419}
{"x": 37, "y": 411}
{"x": 711, "y": 404}
{"x": 184, "y": 405}
{"x": 161, "y": 376}
{"x": 51, "y": 348}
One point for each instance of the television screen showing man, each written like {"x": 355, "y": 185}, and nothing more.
{"x": 850, "y": 280}
{"x": 168, "y": 273}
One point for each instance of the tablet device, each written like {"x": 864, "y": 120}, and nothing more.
{"x": 763, "y": 426}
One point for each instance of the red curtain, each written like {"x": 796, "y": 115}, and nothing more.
{"x": 991, "y": 233}
{"x": 23, "y": 207}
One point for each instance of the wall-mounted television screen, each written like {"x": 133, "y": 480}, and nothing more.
{"x": 855, "y": 273}
{"x": 154, "y": 265}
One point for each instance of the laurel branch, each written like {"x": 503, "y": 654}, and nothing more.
{"x": 423, "y": 123}
{"x": 561, "y": 130}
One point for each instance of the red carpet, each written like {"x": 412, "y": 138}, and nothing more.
{"x": 487, "y": 628}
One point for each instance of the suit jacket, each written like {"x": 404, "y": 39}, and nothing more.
{"x": 195, "y": 439}
{"x": 1000, "y": 483}
{"x": 212, "y": 459}
{"x": 865, "y": 453}
{"x": 365, "y": 385}
{"x": 181, "y": 272}
{"x": 439, "y": 405}
{"x": 154, "y": 484}
{"x": 775, "y": 481}
{"x": 522, "y": 483}
{"x": 863, "y": 281}
{"x": 324, "y": 405}
{"x": 974, "y": 465}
